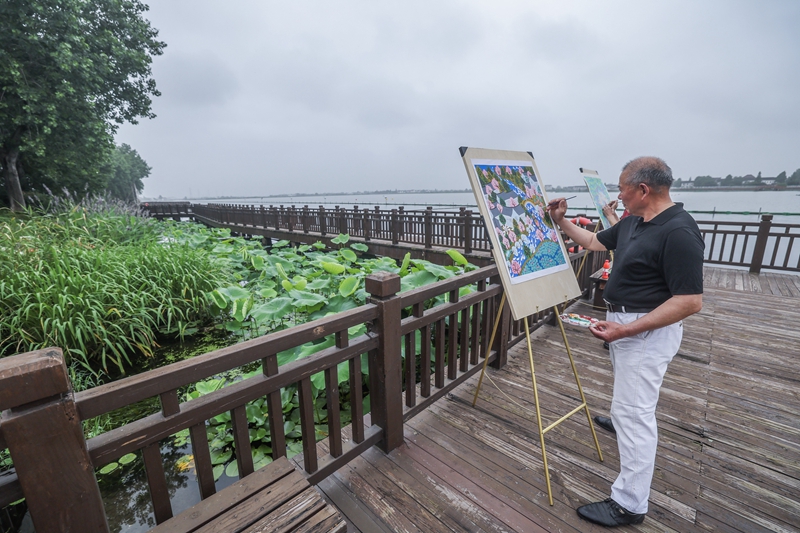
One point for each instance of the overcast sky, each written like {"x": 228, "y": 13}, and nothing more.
{"x": 264, "y": 97}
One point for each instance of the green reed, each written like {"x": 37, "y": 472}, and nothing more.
{"x": 103, "y": 285}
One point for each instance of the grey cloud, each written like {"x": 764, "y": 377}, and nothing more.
{"x": 362, "y": 94}
{"x": 197, "y": 78}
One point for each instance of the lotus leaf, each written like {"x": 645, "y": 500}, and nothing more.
{"x": 348, "y": 286}
{"x": 349, "y": 255}
{"x": 332, "y": 268}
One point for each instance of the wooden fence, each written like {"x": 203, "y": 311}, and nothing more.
{"x": 753, "y": 245}
{"x": 419, "y": 345}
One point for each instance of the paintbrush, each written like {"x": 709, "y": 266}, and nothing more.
{"x": 555, "y": 202}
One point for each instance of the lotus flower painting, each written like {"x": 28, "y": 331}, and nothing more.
{"x": 517, "y": 206}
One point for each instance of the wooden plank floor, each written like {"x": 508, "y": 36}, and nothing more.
{"x": 729, "y": 422}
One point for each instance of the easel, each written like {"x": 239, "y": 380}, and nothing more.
{"x": 542, "y": 430}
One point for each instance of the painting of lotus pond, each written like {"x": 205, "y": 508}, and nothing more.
{"x": 517, "y": 207}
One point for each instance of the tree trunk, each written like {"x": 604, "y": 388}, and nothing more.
{"x": 13, "y": 188}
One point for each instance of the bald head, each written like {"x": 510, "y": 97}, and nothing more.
{"x": 651, "y": 171}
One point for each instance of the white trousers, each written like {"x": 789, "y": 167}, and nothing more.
{"x": 639, "y": 365}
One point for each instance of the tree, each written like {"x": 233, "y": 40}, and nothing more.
{"x": 781, "y": 178}
{"x": 128, "y": 169}
{"x": 71, "y": 71}
{"x": 704, "y": 181}
{"x": 727, "y": 181}
{"x": 794, "y": 179}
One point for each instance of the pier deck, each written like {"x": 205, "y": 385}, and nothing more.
{"x": 729, "y": 422}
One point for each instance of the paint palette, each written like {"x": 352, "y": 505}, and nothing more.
{"x": 575, "y": 319}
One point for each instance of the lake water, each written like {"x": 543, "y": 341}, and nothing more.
{"x": 785, "y": 204}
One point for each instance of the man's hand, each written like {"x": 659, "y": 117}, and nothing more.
{"x": 610, "y": 211}
{"x": 673, "y": 310}
{"x": 608, "y": 331}
{"x": 557, "y": 209}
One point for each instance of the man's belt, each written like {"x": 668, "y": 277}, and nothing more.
{"x": 614, "y": 308}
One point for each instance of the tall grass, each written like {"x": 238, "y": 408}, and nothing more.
{"x": 100, "y": 283}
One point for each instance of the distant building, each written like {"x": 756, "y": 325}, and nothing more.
{"x": 755, "y": 180}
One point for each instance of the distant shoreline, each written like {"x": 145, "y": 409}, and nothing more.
{"x": 789, "y": 188}
{"x": 792, "y": 188}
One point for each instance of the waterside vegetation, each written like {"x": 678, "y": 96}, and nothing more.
{"x": 110, "y": 288}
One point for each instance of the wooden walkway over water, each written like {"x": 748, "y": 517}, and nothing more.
{"x": 729, "y": 421}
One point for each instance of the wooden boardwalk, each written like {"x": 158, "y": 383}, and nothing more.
{"x": 729, "y": 421}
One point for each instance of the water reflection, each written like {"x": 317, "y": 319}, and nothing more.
{"x": 127, "y": 498}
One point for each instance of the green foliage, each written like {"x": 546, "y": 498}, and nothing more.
{"x": 794, "y": 179}
{"x": 127, "y": 170}
{"x": 102, "y": 286}
{"x": 287, "y": 286}
{"x": 71, "y": 71}
{"x": 333, "y": 283}
{"x": 704, "y": 181}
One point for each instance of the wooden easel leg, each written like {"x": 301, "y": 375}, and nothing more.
{"x": 538, "y": 411}
{"x": 489, "y": 348}
{"x": 578, "y": 382}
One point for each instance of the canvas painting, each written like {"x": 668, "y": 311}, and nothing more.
{"x": 599, "y": 194}
{"x": 531, "y": 259}
{"x": 516, "y": 203}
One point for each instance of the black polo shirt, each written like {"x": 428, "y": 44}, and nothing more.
{"x": 654, "y": 260}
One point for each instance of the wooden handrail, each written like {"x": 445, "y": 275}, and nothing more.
{"x": 755, "y": 245}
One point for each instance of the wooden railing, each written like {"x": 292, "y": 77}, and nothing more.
{"x": 754, "y": 245}
{"x": 461, "y": 229}
{"x": 443, "y": 334}
{"x": 175, "y": 210}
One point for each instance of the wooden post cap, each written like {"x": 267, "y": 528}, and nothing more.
{"x": 32, "y": 376}
{"x": 382, "y": 284}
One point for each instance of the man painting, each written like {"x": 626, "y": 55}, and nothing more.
{"x": 656, "y": 282}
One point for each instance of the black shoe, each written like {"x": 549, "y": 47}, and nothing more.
{"x": 605, "y": 423}
{"x": 608, "y": 513}
{"x": 605, "y": 345}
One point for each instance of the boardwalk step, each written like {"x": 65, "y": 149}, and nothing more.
{"x": 276, "y": 498}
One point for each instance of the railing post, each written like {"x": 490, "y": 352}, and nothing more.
{"x": 468, "y": 232}
{"x": 401, "y": 215}
{"x": 429, "y": 227}
{"x": 44, "y": 436}
{"x": 305, "y": 218}
{"x": 342, "y": 219}
{"x": 323, "y": 223}
{"x": 386, "y": 398}
{"x": 366, "y": 223}
{"x": 761, "y": 244}
{"x": 394, "y": 227}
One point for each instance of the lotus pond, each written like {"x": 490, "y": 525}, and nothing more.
{"x": 121, "y": 294}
